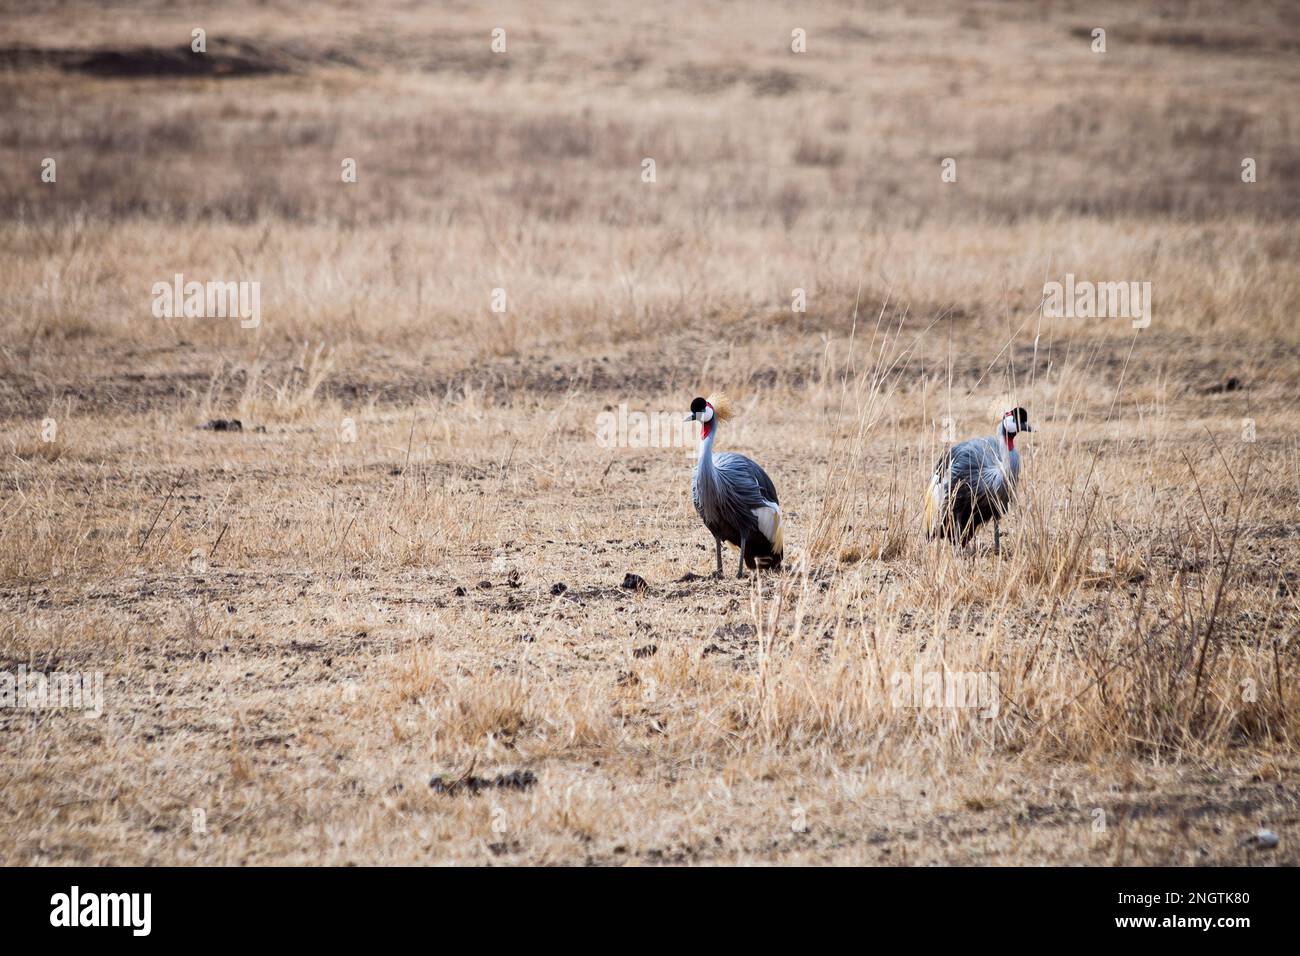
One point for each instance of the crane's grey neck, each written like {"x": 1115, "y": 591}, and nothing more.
{"x": 1006, "y": 440}
{"x": 705, "y": 467}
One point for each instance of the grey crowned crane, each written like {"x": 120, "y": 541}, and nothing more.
{"x": 734, "y": 496}
{"x": 974, "y": 482}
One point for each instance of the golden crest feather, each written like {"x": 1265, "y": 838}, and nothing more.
{"x": 721, "y": 406}
{"x": 1000, "y": 405}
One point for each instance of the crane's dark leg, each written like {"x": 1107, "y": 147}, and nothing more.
{"x": 718, "y": 544}
{"x": 997, "y": 537}
{"x": 740, "y": 568}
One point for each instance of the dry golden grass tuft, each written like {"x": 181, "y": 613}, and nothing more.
{"x": 407, "y": 563}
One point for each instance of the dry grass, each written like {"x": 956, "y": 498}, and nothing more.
{"x": 407, "y": 564}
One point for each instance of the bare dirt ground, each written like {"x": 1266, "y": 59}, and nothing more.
{"x": 386, "y": 620}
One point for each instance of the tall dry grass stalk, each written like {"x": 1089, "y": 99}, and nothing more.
{"x": 409, "y": 561}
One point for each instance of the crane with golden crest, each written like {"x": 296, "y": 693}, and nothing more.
{"x": 974, "y": 482}
{"x": 734, "y": 495}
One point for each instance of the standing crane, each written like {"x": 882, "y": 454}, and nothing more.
{"x": 734, "y": 496}
{"x": 974, "y": 482}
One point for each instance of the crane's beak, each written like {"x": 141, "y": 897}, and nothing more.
{"x": 690, "y": 417}
{"x": 1028, "y": 427}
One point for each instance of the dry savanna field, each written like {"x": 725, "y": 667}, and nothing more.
{"x": 385, "y": 620}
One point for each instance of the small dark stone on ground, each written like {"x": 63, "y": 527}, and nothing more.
{"x": 1233, "y": 384}
{"x": 223, "y": 425}
{"x": 514, "y": 780}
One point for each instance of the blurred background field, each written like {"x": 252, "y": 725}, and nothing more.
{"x": 408, "y": 561}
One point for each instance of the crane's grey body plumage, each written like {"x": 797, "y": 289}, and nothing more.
{"x": 975, "y": 482}
{"x": 738, "y": 503}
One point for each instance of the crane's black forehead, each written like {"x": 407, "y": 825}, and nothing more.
{"x": 1022, "y": 416}
{"x": 698, "y": 405}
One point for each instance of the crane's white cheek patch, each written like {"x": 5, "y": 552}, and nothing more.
{"x": 769, "y": 522}
{"x": 706, "y": 415}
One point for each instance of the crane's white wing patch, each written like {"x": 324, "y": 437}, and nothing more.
{"x": 934, "y": 507}
{"x": 769, "y": 521}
